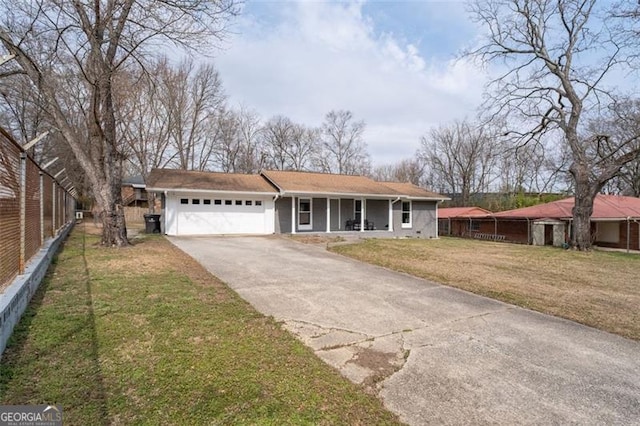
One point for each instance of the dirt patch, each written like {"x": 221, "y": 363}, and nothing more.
{"x": 382, "y": 364}
{"x": 317, "y": 239}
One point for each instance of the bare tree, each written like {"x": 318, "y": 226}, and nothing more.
{"x": 535, "y": 167}
{"x": 462, "y": 158}
{"x": 277, "y": 134}
{"x": 71, "y": 52}
{"x": 252, "y": 156}
{"x": 193, "y": 97}
{"x": 143, "y": 119}
{"x": 621, "y": 123}
{"x": 343, "y": 149}
{"x": 406, "y": 170}
{"x": 558, "y": 57}
{"x": 21, "y": 112}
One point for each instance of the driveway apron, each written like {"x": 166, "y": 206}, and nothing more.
{"x": 434, "y": 354}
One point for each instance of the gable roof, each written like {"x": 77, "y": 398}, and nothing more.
{"x": 462, "y": 212}
{"x": 169, "y": 179}
{"x": 136, "y": 181}
{"x": 410, "y": 190}
{"x": 604, "y": 207}
{"x": 333, "y": 184}
{"x": 325, "y": 183}
{"x": 276, "y": 181}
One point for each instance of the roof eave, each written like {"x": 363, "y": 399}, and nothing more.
{"x": 210, "y": 191}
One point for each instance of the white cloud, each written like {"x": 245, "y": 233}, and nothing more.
{"x": 319, "y": 56}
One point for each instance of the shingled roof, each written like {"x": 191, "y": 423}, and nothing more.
{"x": 327, "y": 183}
{"x": 604, "y": 207}
{"x": 413, "y": 191}
{"x": 169, "y": 179}
{"x": 291, "y": 182}
{"x": 462, "y": 212}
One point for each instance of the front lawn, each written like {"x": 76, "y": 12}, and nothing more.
{"x": 145, "y": 335}
{"x": 600, "y": 289}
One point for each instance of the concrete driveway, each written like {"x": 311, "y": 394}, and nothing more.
{"x": 434, "y": 354}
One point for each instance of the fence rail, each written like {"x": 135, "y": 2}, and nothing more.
{"x": 33, "y": 208}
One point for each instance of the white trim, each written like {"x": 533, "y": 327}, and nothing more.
{"x": 309, "y": 226}
{"x": 339, "y": 214}
{"x": 319, "y": 194}
{"x": 209, "y": 191}
{"x": 328, "y": 215}
{"x": 406, "y": 225}
{"x": 355, "y": 212}
{"x": 293, "y": 215}
{"x": 362, "y": 213}
{"x": 390, "y": 215}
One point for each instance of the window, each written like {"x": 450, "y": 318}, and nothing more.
{"x": 217, "y": 202}
{"x": 248, "y": 203}
{"x": 205, "y": 201}
{"x": 258, "y": 202}
{"x": 304, "y": 214}
{"x": 238, "y": 202}
{"x": 475, "y": 226}
{"x": 443, "y": 225}
{"x": 608, "y": 232}
{"x": 406, "y": 214}
{"x": 357, "y": 210}
{"x": 227, "y": 202}
{"x": 195, "y": 201}
{"x": 184, "y": 201}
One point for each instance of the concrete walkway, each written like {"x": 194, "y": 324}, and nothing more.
{"x": 434, "y": 354}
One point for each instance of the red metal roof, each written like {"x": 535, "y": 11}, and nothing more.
{"x": 463, "y": 212}
{"x": 604, "y": 207}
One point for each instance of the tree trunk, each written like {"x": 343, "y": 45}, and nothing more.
{"x": 109, "y": 199}
{"x": 582, "y": 211}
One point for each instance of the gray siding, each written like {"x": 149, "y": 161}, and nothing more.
{"x": 378, "y": 212}
{"x": 423, "y": 216}
{"x": 319, "y": 212}
{"x": 283, "y": 215}
{"x": 346, "y": 211}
{"x": 423, "y": 220}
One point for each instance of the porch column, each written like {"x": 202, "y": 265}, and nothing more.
{"x": 339, "y": 214}
{"x": 328, "y": 214}
{"x": 362, "y": 213}
{"x": 293, "y": 214}
{"x": 390, "y": 215}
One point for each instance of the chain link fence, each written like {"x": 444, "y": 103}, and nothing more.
{"x": 33, "y": 208}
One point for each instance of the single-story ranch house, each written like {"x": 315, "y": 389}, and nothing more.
{"x": 210, "y": 203}
{"x": 615, "y": 222}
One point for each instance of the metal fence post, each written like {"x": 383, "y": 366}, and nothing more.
{"x": 23, "y": 211}
{"x": 53, "y": 210}
{"x": 41, "y": 207}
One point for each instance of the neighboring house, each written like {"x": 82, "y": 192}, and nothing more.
{"x": 134, "y": 193}
{"x": 207, "y": 203}
{"x": 615, "y": 222}
{"x": 459, "y": 221}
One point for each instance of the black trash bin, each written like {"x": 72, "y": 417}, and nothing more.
{"x": 152, "y": 223}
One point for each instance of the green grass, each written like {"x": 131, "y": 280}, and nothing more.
{"x": 599, "y": 289}
{"x": 143, "y": 335}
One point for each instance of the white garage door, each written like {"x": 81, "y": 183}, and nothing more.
{"x": 207, "y": 216}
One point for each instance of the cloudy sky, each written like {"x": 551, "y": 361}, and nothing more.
{"x": 392, "y": 63}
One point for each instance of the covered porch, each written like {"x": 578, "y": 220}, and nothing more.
{"x": 329, "y": 214}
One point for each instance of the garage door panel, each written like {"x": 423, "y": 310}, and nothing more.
{"x": 201, "y": 220}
